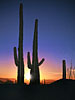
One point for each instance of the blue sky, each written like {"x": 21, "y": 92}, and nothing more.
{"x": 56, "y": 20}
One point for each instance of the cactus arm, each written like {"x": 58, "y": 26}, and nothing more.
{"x": 29, "y": 61}
{"x": 41, "y": 62}
{"x": 15, "y": 56}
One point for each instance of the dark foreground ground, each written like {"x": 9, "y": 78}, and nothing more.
{"x": 59, "y": 90}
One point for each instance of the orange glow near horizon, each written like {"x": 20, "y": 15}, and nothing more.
{"x": 48, "y": 70}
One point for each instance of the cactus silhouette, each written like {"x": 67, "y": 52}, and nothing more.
{"x": 64, "y": 69}
{"x": 35, "y": 74}
{"x": 19, "y": 58}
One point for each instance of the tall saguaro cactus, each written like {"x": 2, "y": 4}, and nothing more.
{"x": 35, "y": 74}
{"x": 19, "y": 58}
{"x": 64, "y": 69}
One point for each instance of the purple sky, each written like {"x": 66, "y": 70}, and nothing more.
{"x": 56, "y": 20}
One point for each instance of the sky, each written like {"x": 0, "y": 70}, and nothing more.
{"x": 56, "y": 35}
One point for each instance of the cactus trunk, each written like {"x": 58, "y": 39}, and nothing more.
{"x": 19, "y": 59}
{"x": 64, "y": 69}
{"x": 35, "y": 74}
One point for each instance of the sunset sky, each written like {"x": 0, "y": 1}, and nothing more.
{"x": 56, "y": 22}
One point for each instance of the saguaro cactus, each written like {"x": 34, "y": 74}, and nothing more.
{"x": 35, "y": 74}
{"x": 64, "y": 69}
{"x": 19, "y": 59}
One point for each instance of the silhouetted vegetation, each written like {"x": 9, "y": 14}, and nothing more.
{"x": 71, "y": 72}
{"x": 19, "y": 59}
{"x": 64, "y": 69}
{"x": 35, "y": 74}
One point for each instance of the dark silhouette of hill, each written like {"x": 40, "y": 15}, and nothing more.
{"x": 59, "y": 90}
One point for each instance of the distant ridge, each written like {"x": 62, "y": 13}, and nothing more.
{"x": 3, "y": 80}
{"x": 47, "y": 81}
